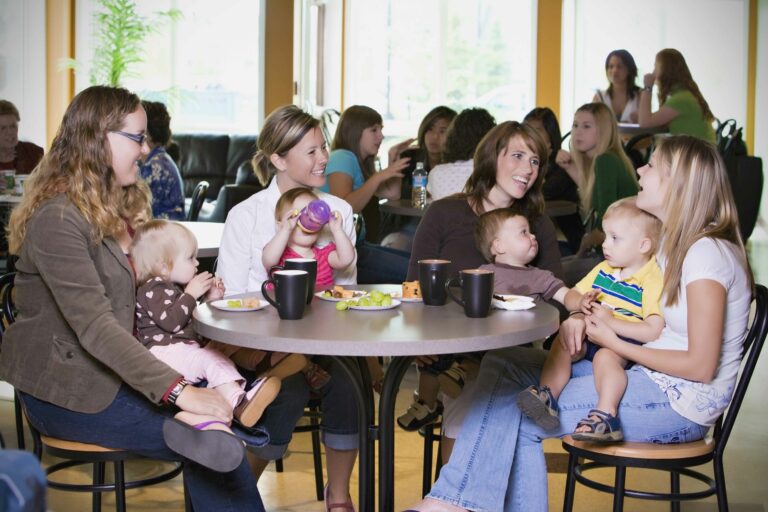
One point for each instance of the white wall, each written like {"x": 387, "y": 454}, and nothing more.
{"x": 22, "y": 64}
{"x": 761, "y": 102}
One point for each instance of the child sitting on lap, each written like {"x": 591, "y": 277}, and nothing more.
{"x": 164, "y": 257}
{"x": 626, "y": 292}
{"x": 291, "y": 241}
{"x": 504, "y": 238}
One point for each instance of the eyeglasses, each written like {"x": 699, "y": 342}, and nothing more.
{"x": 135, "y": 137}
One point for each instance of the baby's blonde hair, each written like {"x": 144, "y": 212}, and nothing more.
{"x": 156, "y": 244}
{"x": 627, "y": 208}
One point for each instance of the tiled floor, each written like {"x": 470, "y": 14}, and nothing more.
{"x": 746, "y": 462}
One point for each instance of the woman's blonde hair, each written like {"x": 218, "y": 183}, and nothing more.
{"x": 608, "y": 141}
{"x": 79, "y": 164}
{"x": 156, "y": 244}
{"x": 283, "y": 129}
{"x": 483, "y": 177}
{"x": 353, "y": 121}
{"x": 699, "y": 204}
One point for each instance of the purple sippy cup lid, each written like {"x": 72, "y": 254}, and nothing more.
{"x": 314, "y": 216}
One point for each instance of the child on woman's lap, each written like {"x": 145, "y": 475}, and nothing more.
{"x": 163, "y": 254}
{"x": 625, "y": 295}
{"x": 504, "y": 238}
{"x": 294, "y": 241}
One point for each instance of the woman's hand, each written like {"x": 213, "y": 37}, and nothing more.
{"x": 585, "y": 304}
{"x": 394, "y": 151}
{"x": 602, "y": 313}
{"x": 599, "y": 333}
{"x": 204, "y": 401}
{"x": 199, "y": 284}
{"x": 572, "y": 333}
{"x": 395, "y": 169}
{"x": 422, "y": 361}
{"x": 563, "y": 158}
{"x": 649, "y": 79}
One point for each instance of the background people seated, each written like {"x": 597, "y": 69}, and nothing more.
{"x": 622, "y": 94}
{"x": 15, "y": 154}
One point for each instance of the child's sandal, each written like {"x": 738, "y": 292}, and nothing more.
{"x": 603, "y": 428}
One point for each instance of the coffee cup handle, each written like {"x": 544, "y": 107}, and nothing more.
{"x": 265, "y": 291}
{"x": 275, "y": 268}
{"x": 451, "y": 283}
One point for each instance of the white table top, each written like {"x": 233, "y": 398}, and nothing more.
{"x": 208, "y": 237}
{"x": 408, "y": 330}
{"x": 9, "y": 199}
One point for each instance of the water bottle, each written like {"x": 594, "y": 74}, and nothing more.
{"x": 419, "y": 189}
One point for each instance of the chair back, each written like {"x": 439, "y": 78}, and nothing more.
{"x": 753, "y": 344}
{"x": 198, "y": 196}
{"x": 639, "y": 148}
{"x": 7, "y": 315}
{"x": 229, "y": 196}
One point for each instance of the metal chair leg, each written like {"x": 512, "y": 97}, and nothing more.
{"x": 618, "y": 489}
{"x": 98, "y": 479}
{"x": 570, "y": 483}
{"x": 674, "y": 476}
{"x": 279, "y": 465}
{"x": 426, "y": 469}
{"x": 722, "y": 496}
{"x": 119, "y": 486}
{"x": 317, "y": 460}
{"x": 19, "y": 422}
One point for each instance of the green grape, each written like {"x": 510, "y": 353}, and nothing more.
{"x": 365, "y": 301}
{"x": 386, "y": 300}
{"x": 376, "y": 296}
{"x": 342, "y": 305}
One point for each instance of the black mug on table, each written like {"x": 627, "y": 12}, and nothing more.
{"x": 433, "y": 274}
{"x": 309, "y": 265}
{"x": 290, "y": 292}
{"x": 477, "y": 291}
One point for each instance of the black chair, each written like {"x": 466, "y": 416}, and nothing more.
{"x": 6, "y": 288}
{"x": 75, "y": 453}
{"x": 198, "y": 196}
{"x": 639, "y": 148}
{"x": 312, "y": 412}
{"x": 677, "y": 459}
{"x": 430, "y": 438}
{"x": 229, "y": 196}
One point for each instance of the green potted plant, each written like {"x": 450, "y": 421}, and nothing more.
{"x": 119, "y": 35}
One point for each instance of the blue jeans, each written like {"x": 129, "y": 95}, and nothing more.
{"x": 22, "y": 482}
{"x": 339, "y": 424}
{"x": 498, "y": 461}
{"x": 134, "y": 424}
{"x": 377, "y": 264}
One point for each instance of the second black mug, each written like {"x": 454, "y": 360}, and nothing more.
{"x": 477, "y": 291}
{"x": 433, "y": 275}
{"x": 290, "y": 293}
{"x": 309, "y": 265}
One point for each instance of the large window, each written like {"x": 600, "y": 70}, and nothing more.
{"x": 207, "y": 66}
{"x": 711, "y": 34}
{"x": 403, "y": 58}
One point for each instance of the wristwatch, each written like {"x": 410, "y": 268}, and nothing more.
{"x": 176, "y": 391}
{"x": 648, "y": 88}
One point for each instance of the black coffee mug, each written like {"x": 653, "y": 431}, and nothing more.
{"x": 308, "y": 265}
{"x": 477, "y": 291}
{"x": 433, "y": 275}
{"x": 290, "y": 292}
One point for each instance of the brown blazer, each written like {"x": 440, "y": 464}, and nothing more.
{"x": 72, "y": 342}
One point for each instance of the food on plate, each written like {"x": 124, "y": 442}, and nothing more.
{"x": 251, "y": 302}
{"x": 376, "y": 298}
{"x": 411, "y": 290}
{"x": 339, "y": 292}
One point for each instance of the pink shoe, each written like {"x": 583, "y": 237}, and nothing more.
{"x": 348, "y": 505}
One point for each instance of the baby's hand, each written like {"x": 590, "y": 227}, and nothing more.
{"x": 199, "y": 284}
{"x": 601, "y": 312}
{"x": 587, "y": 300}
{"x": 217, "y": 290}
{"x": 335, "y": 222}
{"x": 289, "y": 220}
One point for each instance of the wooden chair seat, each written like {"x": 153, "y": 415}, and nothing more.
{"x": 650, "y": 451}
{"x": 74, "y": 446}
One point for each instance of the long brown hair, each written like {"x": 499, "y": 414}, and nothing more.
{"x": 283, "y": 129}
{"x": 79, "y": 164}
{"x": 608, "y": 141}
{"x": 483, "y": 177}
{"x": 675, "y": 74}
{"x": 699, "y": 204}
{"x": 353, "y": 121}
{"x": 433, "y": 116}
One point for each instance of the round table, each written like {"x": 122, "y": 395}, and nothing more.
{"x": 409, "y": 330}
{"x": 402, "y": 207}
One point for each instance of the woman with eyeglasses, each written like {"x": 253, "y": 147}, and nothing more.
{"x": 71, "y": 354}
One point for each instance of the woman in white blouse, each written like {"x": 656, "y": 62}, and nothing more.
{"x": 622, "y": 95}
{"x": 293, "y": 151}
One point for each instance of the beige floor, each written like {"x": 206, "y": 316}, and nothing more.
{"x": 746, "y": 462}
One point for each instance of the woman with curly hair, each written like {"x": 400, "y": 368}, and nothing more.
{"x": 682, "y": 107}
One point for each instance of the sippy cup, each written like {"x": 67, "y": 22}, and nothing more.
{"x": 314, "y": 216}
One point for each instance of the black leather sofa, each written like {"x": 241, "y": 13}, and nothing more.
{"x": 215, "y": 159}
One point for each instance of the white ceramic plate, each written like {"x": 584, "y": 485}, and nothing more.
{"x": 514, "y": 302}
{"x": 394, "y": 304}
{"x": 398, "y": 296}
{"x": 222, "y": 305}
{"x": 358, "y": 294}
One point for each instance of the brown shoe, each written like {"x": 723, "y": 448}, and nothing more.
{"x": 287, "y": 365}
{"x": 253, "y": 403}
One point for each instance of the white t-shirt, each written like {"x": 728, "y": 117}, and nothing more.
{"x": 629, "y": 109}
{"x": 251, "y": 224}
{"x": 447, "y": 179}
{"x": 715, "y": 260}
